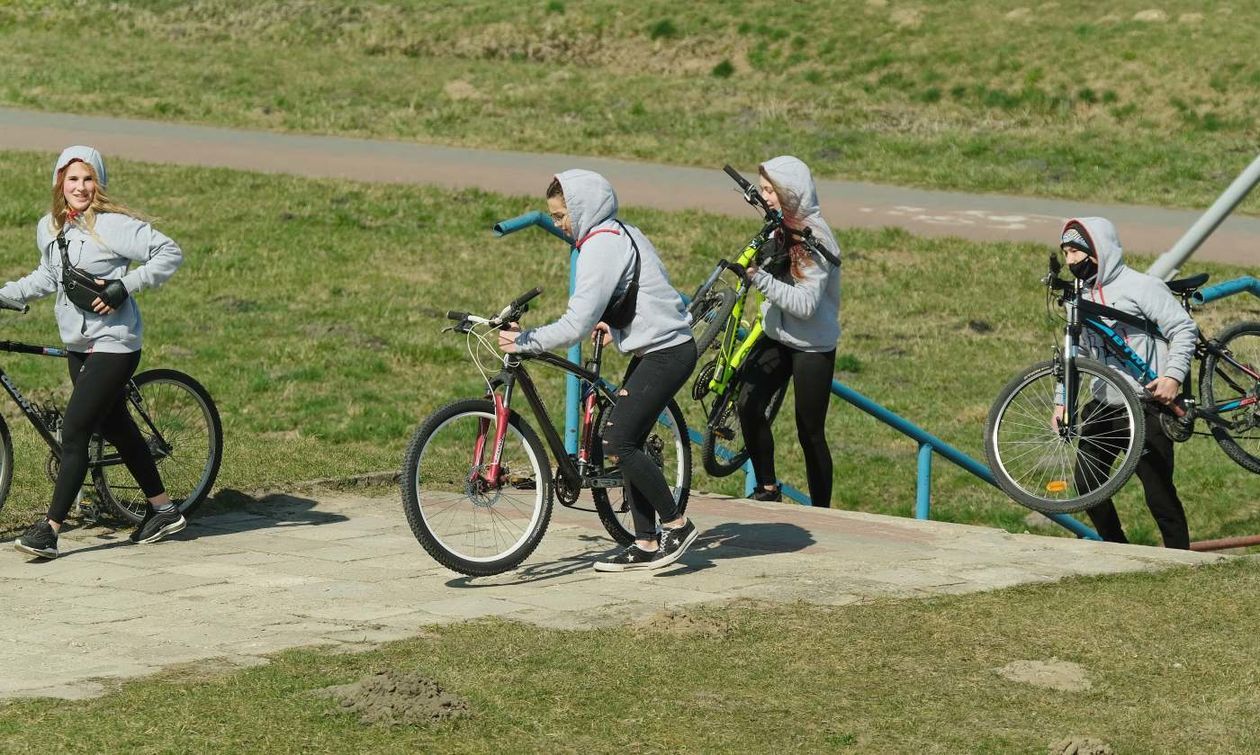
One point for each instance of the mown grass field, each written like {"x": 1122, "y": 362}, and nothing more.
{"x": 1122, "y": 102}
{"x": 312, "y": 312}
{"x": 1166, "y": 662}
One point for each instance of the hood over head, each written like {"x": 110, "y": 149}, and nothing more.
{"x": 1101, "y": 236}
{"x": 589, "y": 198}
{"x": 798, "y": 197}
{"x": 83, "y": 154}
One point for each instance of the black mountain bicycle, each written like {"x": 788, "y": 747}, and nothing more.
{"x": 477, "y": 485}
{"x": 1037, "y": 437}
{"x": 175, "y": 415}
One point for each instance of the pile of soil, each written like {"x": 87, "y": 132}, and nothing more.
{"x": 685, "y": 624}
{"x": 394, "y": 697}
{"x": 1052, "y": 674}
{"x": 1080, "y": 746}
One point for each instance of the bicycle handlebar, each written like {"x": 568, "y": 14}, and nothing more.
{"x": 752, "y": 195}
{"x": 13, "y": 304}
{"x": 511, "y": 313}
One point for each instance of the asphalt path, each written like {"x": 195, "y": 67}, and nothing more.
{"x": 980, "y": 217}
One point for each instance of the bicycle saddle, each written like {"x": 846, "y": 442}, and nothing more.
{"x": 1186, "y": 285}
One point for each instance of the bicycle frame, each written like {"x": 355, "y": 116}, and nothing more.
{"x": 574, "y": 469}
{"x": 1083, "y": 314}
{"x": 733, "y": 349}
{"x": 34, "y": 416}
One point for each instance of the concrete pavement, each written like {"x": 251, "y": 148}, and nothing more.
{"x": 981, "y": 217}
{"x": 288, "y": 571}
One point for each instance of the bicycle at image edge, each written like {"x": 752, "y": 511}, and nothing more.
{"x": 175, "y": 414}
{"x": 477, "y": 484}
{"x": 716, "y": 310}
{"x": 1039, "y": 461}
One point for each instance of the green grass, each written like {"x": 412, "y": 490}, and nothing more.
{"x": 1170, "y": 659}
{"x": 312, "y": 312}
{"x": 1073, "y": 100}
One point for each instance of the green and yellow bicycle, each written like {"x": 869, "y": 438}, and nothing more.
{"x": 717, "y": 323}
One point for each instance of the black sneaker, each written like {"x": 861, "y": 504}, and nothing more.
{"x": 632, "y": 557}
{"x": 674, "y": 542}
{"x": 39, "y": 540}
{"x": 158, "y": 526}
{"x": 149, "y": 511}
{"x": 761, "y": 494}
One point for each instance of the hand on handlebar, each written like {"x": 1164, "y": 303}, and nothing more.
{"x": 1164, "y": 390}
{"x": 601, "y": 328}
{"x": 507, "y": 337}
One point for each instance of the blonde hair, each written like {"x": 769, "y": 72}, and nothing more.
{"x": 797, "y": 253}
{"x": 101, "y": 202}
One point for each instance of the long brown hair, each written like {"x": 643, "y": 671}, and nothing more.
{"x": 797, "y": 253}
{"x": 101, "y": 202}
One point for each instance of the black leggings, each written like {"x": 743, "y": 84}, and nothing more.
{"x": 1155, "y": 470}
{"x": 98, "y": 403}
{"x": 650, "y": 382}
{"x": 767, "y": 370}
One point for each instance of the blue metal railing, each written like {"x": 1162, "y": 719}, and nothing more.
{"x": 1245, "y": 284}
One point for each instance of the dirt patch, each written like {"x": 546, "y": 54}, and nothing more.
{"x": 396, "y": 698}
{"x": 684, "y": 624}
{"x": 1052, "y": 674}
{"x": 1080, "y": 746}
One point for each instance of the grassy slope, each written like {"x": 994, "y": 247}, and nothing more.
{"x": 311, "y": 309}
{"x": 1068, "y": 100}
{"x": 1169, "y": 659}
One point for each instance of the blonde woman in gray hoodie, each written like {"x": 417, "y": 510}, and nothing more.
{"x": 87, "y": 243}
{"x": 801, "y": 316}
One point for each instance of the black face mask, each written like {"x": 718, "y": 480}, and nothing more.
{"x": 1084, "y": 269}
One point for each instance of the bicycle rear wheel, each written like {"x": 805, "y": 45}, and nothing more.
{"x": 1060, "y": 473}
{"x": 724, "y": 451}
{"x": 467, "y": 522}
{"x": 181, "y": 426}
{"x": 1223, "y": 383}
{"x": 709, "y": 312}
{"x": 669, "y": 445}
{"x": 6, "y": 461}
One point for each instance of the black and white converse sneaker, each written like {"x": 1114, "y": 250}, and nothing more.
{"x": 164, "y": 522}
{"x": 632, "y": 557}
{"x": 39, "y": 540}
{"x": 674, "y": 542}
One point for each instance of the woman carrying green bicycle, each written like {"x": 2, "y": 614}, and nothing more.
{"x": 801, "y": 316}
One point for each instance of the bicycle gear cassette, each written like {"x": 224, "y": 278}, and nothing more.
{"x": 704, "y": 376}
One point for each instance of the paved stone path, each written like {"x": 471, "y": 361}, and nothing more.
{"x": 289, "y": 571}
{"x": 987, "y": 217}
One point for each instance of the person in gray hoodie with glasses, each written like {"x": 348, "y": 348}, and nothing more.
{"x": 623, "y": 295}
{"x": 101, "y": 327}
{"x": 1093, "y": 252}
{"x": 801, "y": 317}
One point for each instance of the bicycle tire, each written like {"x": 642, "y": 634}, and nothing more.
{"x": 672, "y": 443}
{"x": 442, "y": 495}
{"x": 6, "y": 462}
{"x": 1034, "y": 465}
{"x": 188, "y": 421}
{"x": 723, "y": 451}
{"x": 709, "y": 312}
{"x": 1219, "y": 382}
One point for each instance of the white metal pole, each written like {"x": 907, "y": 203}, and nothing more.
{"x": 1170, "y": 261}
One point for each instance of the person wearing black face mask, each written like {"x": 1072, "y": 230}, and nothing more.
{"x": 1095, "y": 257}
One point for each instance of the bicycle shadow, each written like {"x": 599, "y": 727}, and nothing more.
{"x": 740, "y": 540}
{"x": 725, "y": 541}
{"x": 227, "y": 512}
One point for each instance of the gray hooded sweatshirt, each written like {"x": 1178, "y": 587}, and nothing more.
{"x": 803, "y": 313}
{"x": 1118, "y": 286}
{"x": 106, "y": 252}
{"x": 605, "y": 266}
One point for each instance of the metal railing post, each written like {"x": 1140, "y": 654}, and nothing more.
{"x": 923, "y": 493}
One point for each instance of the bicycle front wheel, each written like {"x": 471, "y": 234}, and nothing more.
{"x": 1235, "y": 392}
{"x": 669, "y": 447}
{"x": 1058, "y": 472}
{"x": 724, "y": 451}
{"x": 181, "y": 427}
{"x": 709, "y": 312}
{"x": 467, "y": 521}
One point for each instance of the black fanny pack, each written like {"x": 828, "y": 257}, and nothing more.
{"x": 80, "y": 287}
{"x": 620, "y": 311}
